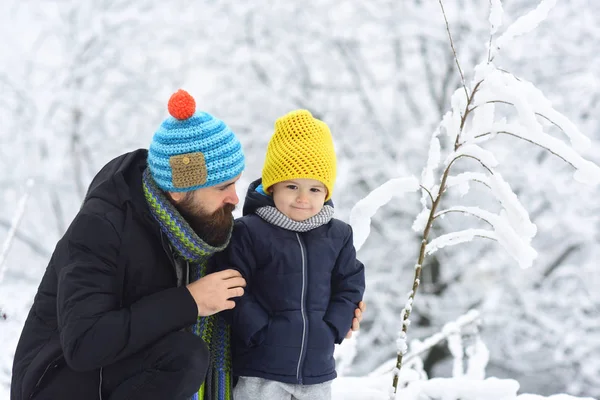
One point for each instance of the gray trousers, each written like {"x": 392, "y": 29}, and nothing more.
{"x": 251, "y": 388}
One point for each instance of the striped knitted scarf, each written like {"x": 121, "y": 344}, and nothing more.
{"x": 213, "y": 329}
{"x": 275, "y": 217}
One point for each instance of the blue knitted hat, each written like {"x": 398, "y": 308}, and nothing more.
{"x": 192, "y": 150}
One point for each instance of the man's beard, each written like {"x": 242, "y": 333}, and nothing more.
{"x": 214, "y": 227}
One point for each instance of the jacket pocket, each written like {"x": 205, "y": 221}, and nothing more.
{"x": 259, "y": 337}
{"x": 285, "y": 329}
{"x": 331, "y": 331}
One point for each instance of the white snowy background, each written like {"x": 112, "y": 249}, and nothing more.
{"x": 82, "y": 82}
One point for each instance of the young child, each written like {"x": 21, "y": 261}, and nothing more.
{"x": 303, "y": 279}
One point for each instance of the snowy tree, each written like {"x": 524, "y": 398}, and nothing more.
{"x": 481, "y": 111}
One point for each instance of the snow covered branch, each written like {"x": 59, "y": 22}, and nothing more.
{"x": 476, "y": 212}
{"x": 464, "y": 236}
{"x": 474, "y": 158}
{"x": 363, "y": 211}
{"x": 418, "y": 347}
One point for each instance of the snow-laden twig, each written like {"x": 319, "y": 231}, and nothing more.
{"x": 495, "y": 19}
{"x": 417, "y": 348}
{"x": 478, "y": 357}
{"x": 496, "y": 14}
{"x": 454, "y": 238}
{"x": 455, "y": 345}
{"x": 526, "y": 23}
{"x": 512, "y": 227}
{"x": 363, "y": 211}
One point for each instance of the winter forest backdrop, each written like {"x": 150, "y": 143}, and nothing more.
{"x": 82, "y": 82}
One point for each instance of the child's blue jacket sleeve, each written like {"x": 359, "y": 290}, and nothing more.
{"x": 347, "y": 289}
{"x": 248, "y": 319}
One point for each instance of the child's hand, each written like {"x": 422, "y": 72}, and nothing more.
{"x": 362, "y": 306}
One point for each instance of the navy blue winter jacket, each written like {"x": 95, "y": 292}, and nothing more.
{"x": 302, "y": 290}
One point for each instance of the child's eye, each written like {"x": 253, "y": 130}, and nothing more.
{"x": 292, "y": 187}
{"x": 315, "y": 190}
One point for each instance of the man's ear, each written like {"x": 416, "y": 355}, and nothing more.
{"x": 176, "y": 196}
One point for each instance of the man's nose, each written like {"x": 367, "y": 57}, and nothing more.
{"x": 232, "y": 198}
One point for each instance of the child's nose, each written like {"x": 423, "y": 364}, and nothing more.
{"x": 301, "y": 198}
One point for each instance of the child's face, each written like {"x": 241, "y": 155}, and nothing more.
{"x": 299, "y": 199}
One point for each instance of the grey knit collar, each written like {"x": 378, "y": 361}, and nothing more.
{"x": 273, "y": 216}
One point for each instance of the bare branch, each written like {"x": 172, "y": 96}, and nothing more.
{"x": 429, "y": 193}
{"x": 462, "y": 77}
{"x": 558, "y": 261}
{"x": 489, "y": 58}
{"x": 474, "y": 158}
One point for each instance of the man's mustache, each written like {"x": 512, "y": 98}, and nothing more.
{"x": 227, "y": 209}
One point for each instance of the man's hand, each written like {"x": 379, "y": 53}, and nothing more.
{"x": 213, "y": 292}
{"x": 362, "y": 306}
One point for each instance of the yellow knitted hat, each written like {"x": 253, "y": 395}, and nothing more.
{"x": 301, "y": 147}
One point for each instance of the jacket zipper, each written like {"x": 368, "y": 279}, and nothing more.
{"x": 52, "y": 364}
{"x": 181, "y": 280}
{"x": 303, "y": 311}
{"x": 100, "y": 385}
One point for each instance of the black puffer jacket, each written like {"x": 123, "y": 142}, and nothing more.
{"x": 302, "y": 291}
{"x": 110, "y": 289}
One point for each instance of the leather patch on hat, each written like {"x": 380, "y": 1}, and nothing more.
{"x": 188, "y": 170}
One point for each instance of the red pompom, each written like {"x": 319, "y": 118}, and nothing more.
{"x": 182, "y": 105}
